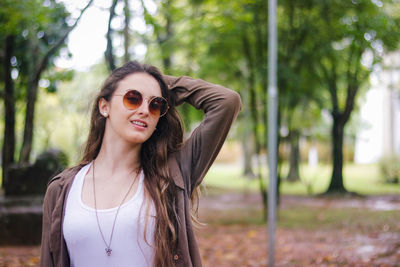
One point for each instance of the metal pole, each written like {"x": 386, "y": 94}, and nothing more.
{"x": 272, "y": 128}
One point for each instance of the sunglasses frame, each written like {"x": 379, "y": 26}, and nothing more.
{"x": 149, "y": 100}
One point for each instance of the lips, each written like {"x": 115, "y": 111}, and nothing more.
{"x": 139, "y": 123}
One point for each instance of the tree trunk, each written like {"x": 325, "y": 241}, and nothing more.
{"x": 31, "y": 95}
{"x": 163, "y": 41}
{"x": 261, "y": 69}
{"x": 294, "y": 156}
{"x": 9, "y": 107}
{"x": 247, "y": 137}
{"x": 29, "y": 120}
{"x": 247, "y": 150}
{"x": 109, "y": 54}
{"x": 126, "y": 30}
{"x": 336, "y": 184}
{"x": 251, "y": 85}
{"x": 279, "y": 161}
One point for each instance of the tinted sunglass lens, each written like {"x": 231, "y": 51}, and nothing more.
{"x": 157, "y": 106}
{"x": 133, "y": 99}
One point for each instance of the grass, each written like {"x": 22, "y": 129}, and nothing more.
{"x": 310, "y": 218}
{"x": 353, "y": 219}
{"x": 362, "y": 179}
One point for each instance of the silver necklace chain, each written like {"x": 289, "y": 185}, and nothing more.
{"x": 108, "y": 245}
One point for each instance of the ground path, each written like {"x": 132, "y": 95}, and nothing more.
{"x": 376, "y": 243}
{"x": 322, "y": 232}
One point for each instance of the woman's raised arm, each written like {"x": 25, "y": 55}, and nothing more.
{"x": 221, "y": 106}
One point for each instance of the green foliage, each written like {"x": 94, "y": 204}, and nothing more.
{"x": 348, "y": 32}
{"x": 36, "y": 27}
{"x": 326, "y": 52}
{"x": 35, "y": 30}
{"x": 63, "y": 117}
{"x": 36, "y": 39}
{"x": 320, "y": 54}
{"x": 53, "y": 77}
{"x": 390, "y": 169}
{"x": 17, "y": 15}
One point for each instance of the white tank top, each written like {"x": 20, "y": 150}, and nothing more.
{"x": 85, "y": 245}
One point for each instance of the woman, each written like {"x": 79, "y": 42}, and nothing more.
{"x": 128, "y": 201}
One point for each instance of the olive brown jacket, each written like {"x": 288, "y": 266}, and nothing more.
{"x": 187, "y": 167}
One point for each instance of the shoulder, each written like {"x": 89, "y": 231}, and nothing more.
{"x": 62, "y": 180}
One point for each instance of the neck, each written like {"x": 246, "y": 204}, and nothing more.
{"x": 117, "y": 156}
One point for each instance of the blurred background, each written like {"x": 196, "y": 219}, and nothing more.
{"x": 339, "y": 117}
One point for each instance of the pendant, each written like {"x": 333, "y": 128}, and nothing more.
{"x": 108, "y": 251}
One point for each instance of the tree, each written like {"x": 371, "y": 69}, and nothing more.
{"x": 35, "y": 30}
{"x": 227, "y": 44}
{"x": 109, "y": 54}
{"x": 9, "y": 103}
{"x": 297, "y": 88}
{"x": 348, "y": 33}
{"x": 322, "y": 44}
{"x": 42, "y": 52}
{"x": 11, "y": 22}
{"x": 167, "y": 24}
{"x": 127, "y": 13}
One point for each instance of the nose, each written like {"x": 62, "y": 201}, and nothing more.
{"x": 143, "y": 109}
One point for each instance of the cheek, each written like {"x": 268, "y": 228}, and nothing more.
{"x": 154, "y": 123}
{"x": 116, "y": 110}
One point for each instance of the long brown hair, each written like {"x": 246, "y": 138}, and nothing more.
{"x": 153, "y": 158}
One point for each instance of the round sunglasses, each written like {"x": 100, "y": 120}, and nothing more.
{"x": 133, "y": 99}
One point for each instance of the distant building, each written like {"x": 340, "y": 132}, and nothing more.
{"x": 380, "y": 114}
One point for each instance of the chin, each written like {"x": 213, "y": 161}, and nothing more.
{"x": 137, "y": 139}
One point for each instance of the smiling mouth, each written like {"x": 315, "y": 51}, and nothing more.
{"x": 139, "y": 123}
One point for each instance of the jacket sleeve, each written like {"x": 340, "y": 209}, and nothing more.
{"x": 46, "y": 259}
{"x": 221, "y": 106}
